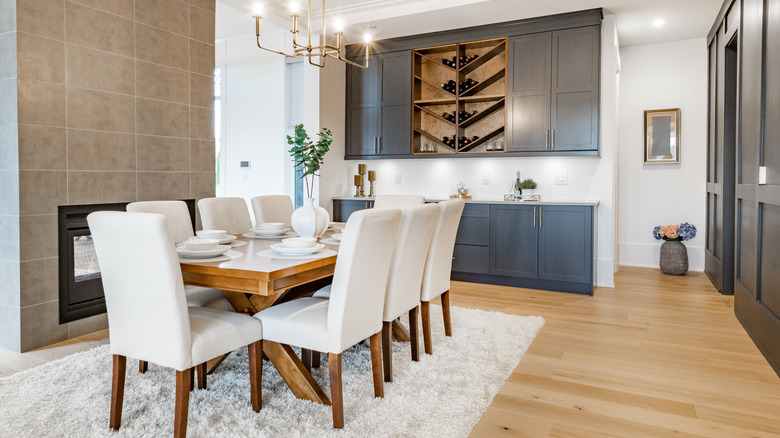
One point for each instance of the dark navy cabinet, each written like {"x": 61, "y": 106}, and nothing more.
{"x": 515, "y": 243}
{"x": 548, "y": 247}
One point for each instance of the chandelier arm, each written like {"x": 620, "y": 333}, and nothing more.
{"x": 315, "y": 64}
{"x": 274, "y": 51}
{"x": 343, "y": 59}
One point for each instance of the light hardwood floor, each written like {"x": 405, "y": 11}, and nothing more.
{"x": 656, "y": 356}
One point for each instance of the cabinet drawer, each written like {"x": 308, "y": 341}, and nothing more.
{"x": 476, "y": 210}
{"x": 473, "y": 231}
{"x": 472, "y": 259}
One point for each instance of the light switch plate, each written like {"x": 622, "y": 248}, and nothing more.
{"x": 561, "y": 179}
{"x": 762, "y": 175}
{"x": 245, "y": 164}
{"x": 398, "y": 178}
{"x": 485, "y": 180}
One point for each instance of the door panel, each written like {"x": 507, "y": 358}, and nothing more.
{"x": 395, "y": 103}
{"x": 362, "y": 130}
{"x": 528, "y": 97}
{"x": 396, "y": 130}
{"x": 574, "y": 117}
{"x": 471, "y": 259}
{"x": 770, "y": 259}
{"x": 514, "y": 241}
{"x": 362, "y": 108}
{"x": 565, "y": 243}
{"x": 747, "y": 257}
{"x": 529, "y": 118}
{"x": 574, "y": 121}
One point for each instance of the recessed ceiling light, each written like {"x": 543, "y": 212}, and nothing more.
{"x": 659, "y": 22}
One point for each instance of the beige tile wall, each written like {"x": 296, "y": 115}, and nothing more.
{"x": 115, "y": 104}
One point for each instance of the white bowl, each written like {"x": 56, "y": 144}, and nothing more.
{"x": 269, "y": 233}
{"x": 212, "y": 234}
{"x": 337, "y": 236}
{"x": 299, "y": 242}
{"x": 198, "y": 244}
{"x": 272, "y": 226}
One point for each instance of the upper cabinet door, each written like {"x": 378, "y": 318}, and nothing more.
{"x": 528, "y": 97}
{"x": 395, "y": 103}
{"x": 575, "y": 89}
{"x": 362, "y": 108}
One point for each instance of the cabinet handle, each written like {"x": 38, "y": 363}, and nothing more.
{"x": 553, "y": 145}
{"x": 546, "y": 146}
{"x": 375, "y": 148}
{"x": 534, "y": 216}
{"x": 540, "y": 214}
{"x": 380, "y": 144}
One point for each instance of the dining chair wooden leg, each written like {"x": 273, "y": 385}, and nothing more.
{"x": 183, "y": 382}
{"x": 445, "y": 311}
{"x": 143, "y": 366}
{"x": 192, "y": 379}
{"x": 376, "y": 363}
{"x": 413, "y": 337}
{"x": 387, "y": 350}
{"x": 256, "y": 374}
{"x": 315, "y": 359}
{"x": 426, "y": 326}
{"x": 306, "y": 358}
{"x": 336, "y": 399}
{"x": 202, "y": 375}
{"x": 117, "y": 391}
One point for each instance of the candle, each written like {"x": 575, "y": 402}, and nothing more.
{"x": 358, "y": 180}
{"x": 362, "y": 169}
{"x": 371, "y": 175}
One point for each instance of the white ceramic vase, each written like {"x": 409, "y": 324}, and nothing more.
{"x": 311, "y": 220}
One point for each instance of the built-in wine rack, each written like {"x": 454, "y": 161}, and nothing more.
{"x": 459, "y": 98}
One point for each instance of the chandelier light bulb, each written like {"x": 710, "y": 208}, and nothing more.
{"x": 367, "y": 38}
{"x": 659, "y": 22}
{"x": 257, "y": 9}
{"x": 338, "y": 25}
{"x": 294, "y": 7}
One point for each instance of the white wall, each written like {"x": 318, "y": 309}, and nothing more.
{"x": 658, "y": 76}
{"x": 254, "y": 114}
{"x": 589, "y": 178}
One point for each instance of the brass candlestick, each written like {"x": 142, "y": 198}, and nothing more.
{"x": 371, "y": 179}
{"x": 358, "y": 186}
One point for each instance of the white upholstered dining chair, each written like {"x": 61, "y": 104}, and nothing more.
{"x": 354, "y": 310}
{"x": 148, "y": 316}
{"x": 229, "y": 214}
{"x": 438, "y": 266}
{"x": 406, "y": 271}
{"x": 272, "y": 208}
{"x": 398, "y": 201}
{"x": 177, "y": 218}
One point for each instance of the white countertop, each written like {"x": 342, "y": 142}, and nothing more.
{"x": 576, "y": 202}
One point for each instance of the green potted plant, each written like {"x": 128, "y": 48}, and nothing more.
{"x": 528, "y": 186}
{"x": 310, "y": 220}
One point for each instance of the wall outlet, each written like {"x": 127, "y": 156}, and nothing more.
{"x": 398, "y": 178}
{"x": 561, "y": 179}
{"x": 485, "y": 180}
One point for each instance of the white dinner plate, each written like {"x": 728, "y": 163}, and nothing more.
{"x": 203, "y": 254}
{"x": 283, "y": 236}
{"x": 337, "y": 236}
{"x": 284, "y": 250}
{"x": 268, "y": 233}
{"x": 228, "y": 238}
{"x": 336, "y": 225}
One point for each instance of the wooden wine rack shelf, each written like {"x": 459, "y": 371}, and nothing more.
{"x": 487, "y": 98}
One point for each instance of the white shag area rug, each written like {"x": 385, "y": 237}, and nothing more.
{"x": 442, "y": 395}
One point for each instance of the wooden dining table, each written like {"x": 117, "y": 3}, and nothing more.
{"x": 252, "y": 283}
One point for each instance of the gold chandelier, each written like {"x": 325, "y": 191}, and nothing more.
{"x": 308, "y": 50}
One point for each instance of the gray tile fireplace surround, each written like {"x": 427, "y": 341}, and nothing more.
{"x": 85, "y": 118}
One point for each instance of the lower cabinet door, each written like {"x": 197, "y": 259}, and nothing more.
{"x": 472, "y": 259}
{"x": 566, "y": 243}
{"x": 513, "y": 241}
{"x": 343, "y": 209}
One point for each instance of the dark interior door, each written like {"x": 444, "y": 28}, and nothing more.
{"x": 721, "y": 159}
{"x": 757, "y": 292}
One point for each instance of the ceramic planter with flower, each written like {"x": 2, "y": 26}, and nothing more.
{"x": 674, "y": 254}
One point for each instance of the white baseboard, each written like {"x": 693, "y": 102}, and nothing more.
{"x": 646, "y": 255}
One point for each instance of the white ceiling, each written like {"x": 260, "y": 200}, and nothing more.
{"x": 685, "y": 19}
